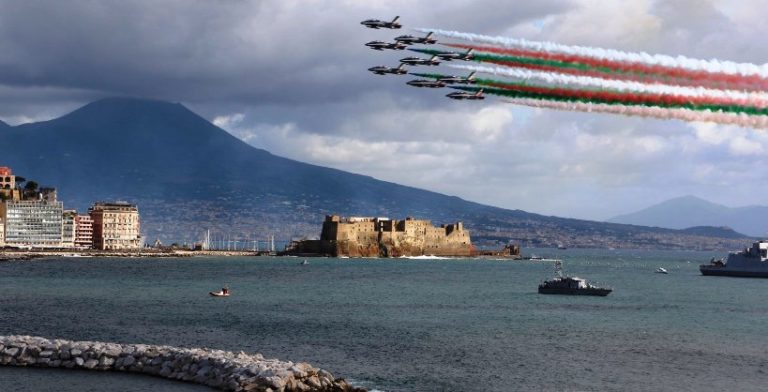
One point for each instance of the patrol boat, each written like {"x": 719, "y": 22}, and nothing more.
{"x": 570, "y": 285}
{"x": 749, "y": 263}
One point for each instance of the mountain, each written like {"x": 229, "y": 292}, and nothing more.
{"x": 688, "y": 211}
{"x": 188, "y": 175}
{"x": 4, "y": 125}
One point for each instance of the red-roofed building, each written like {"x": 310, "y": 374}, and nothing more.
{"x": 7, "y": 179}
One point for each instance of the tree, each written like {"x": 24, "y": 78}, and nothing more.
{"x": 20, "y": 180}
{"x": 30, "y": 186}
{"x": 30, "y": 189}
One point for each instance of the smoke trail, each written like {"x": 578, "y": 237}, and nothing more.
{"x": 654, "y": 112}
{"x": 544, "y": 64}
{"x": 587, "y": 96}
{"x": 647, "y": 72}
{"x": 713, "y": 66}
{"x": 702, "y": 95}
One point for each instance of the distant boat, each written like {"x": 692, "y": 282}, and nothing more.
{"x": 305, "y": 262}
{"x": 570, "y": 285}
{"x": 224, "y": 292}
{"x": 561, "y": 246}
{"x": 661, "y": 270}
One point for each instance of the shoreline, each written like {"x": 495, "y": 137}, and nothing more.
{"x": 26, "y": 255}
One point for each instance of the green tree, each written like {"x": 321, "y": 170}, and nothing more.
{"x": 30, "y": 189}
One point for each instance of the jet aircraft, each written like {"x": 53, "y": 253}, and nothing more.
{"x": 461, "y": 95}
{"x": 420, "y": 61}
{"x": 409, "y": 39}
{"x": 381, "y": 45}
{"x": 469, "y": 79}
{"x": 383, "y": 70}
{"x": 448, "y": 56}
{"x": 426, "y": 83}
{"x": 377, "y": 24}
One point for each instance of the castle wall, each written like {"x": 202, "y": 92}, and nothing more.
{"x": 379, "y": 237}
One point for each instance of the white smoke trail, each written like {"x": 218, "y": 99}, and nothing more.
{"x": 735, "y": 97}
{"x": 740, "y": 119}
{"x": 714, "y": 66}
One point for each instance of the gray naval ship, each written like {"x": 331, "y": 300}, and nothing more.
{"x": 750, "y": 263}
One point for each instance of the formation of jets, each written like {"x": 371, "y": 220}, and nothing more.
{"x": 403, "y": 41}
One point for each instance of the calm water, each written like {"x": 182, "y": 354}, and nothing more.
{"x": 407, "y": 325}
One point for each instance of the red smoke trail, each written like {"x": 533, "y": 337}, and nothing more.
{"x": 645, "y": 72}
{"x": 594, "y": 74}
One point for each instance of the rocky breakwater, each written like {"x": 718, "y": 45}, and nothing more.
{"x": 222, "y": 370}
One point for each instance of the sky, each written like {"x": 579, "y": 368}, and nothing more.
{"x": 290, "y": 76}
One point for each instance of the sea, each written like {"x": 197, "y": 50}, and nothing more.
{"x": 407, "y": 324}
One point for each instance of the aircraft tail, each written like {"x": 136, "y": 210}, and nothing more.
{"x": 430, "y": 35}
{"x": 401, "y": 67}
{"x": 396, "y": 19}
{"x": 434, "y": 57}
{"x": 479, "y": 93}
{"x": 471, "y": 76}
{"x": 470, "y": 51}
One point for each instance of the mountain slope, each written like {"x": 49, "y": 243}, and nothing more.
{"x": 3, "y": 125}
{"x": 188, "y": 175}
{"x": 689, "y": 211}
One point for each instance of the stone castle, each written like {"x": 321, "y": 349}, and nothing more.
{"x": 383, "y": 237}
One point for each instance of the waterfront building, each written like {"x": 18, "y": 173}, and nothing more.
{"x": 8, "y": 189}
{"x": 7, "y": 179}
{"x": 115, "y": 226}
{"x": 32, "y": 223}
{"x": 2, "y": 233}
{"x": 83, "y": 232}
{"x": 68, "y": 231}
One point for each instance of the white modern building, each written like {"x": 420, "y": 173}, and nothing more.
{"x": 32, "y": 223}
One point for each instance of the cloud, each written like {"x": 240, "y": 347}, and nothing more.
{"x": 290, "y": 77}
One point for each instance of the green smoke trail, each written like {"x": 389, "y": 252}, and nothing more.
{"x": 552, "y": 97}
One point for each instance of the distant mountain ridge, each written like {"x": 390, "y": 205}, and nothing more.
{"x": 690, "y": 211}
{"x": 3, "y": 125}
{"x": 187, "y": 175}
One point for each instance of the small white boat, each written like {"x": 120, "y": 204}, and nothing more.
{"x": 224, "y": 292}
{"x": 305, "y": 262}
{"x": 661, "y": 270}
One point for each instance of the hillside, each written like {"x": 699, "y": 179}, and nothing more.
{"x": 690, "y": 211}
{"x": 188, "y": 175}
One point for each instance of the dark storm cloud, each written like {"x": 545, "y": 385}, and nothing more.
{"x": 254, "y": 52}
